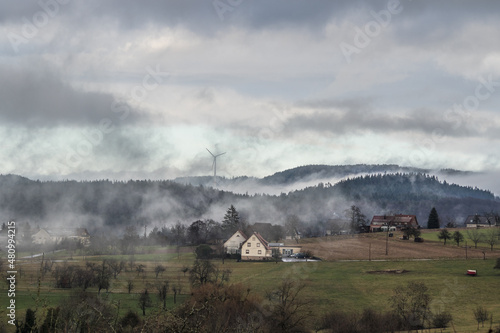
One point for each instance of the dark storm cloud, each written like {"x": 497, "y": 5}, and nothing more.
{"x": 262, "y": 13}
{"x": 422, "y": 19}
{"x": 211, "y": 16}
{"x": 13, "y": 11}
{"x": 435, "y": 21}
{"x": 39, "y": 97}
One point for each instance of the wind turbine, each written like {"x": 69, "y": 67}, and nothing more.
{"x": 214, "y": 165}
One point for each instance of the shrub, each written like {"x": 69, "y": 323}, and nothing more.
{"x": 204, "y": 251}
{"x": 442, "y": 320}
{"x": 130, "y": 320}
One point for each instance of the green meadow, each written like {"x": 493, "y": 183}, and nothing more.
{"x": 432, "y": 235}
{"x": 349, "y": 285}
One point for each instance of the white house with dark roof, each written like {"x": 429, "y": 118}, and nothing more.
{"x": 482, "y": 221}
{"x": 233, "y": 244}
{"x": 256, "y": 248}
{"x": 48, "y": 236}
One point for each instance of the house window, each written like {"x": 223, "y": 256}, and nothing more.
{"x": 260, "y": 251}
{"x": 253, "y": 238}
{"x": 258, "y": 244}
{"x": 247, "y": 251}
{"x": 249, "y": 244}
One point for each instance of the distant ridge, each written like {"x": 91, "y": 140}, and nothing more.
{"x": 376, "y": 189}
{"x": 324, "y": 171}
{"x": 313, "y": 172}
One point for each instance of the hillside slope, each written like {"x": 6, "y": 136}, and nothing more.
{"x": 107, "y": 203}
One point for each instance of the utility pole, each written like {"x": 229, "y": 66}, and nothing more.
{"x": 387, "y": 241}
{"x": 388, "y": 224}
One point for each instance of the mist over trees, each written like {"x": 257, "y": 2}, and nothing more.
{"x": 164, "y": 204}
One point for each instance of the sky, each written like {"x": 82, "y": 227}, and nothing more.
{"x": 125, "y": 89}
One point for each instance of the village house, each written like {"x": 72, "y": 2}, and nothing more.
{"x": 393, "y": 222}
{"x": 55, "y": 236}
{"x": 257, "y": 248}
{"x": 233, "y": 244}
{"x": 482, "y": 221}
{"x": 43, "y": 237}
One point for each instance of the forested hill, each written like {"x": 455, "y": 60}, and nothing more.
{"x": 407, "y": 187}
{"x": 96, "y": 203}
{"x": 333, "y": 171}
{"x": 307, "y": 175}
{"x": 93, "y": 204}
{"x": 413, "y": 193}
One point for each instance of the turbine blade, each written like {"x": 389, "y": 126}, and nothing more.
{"x": 210, "y": 152}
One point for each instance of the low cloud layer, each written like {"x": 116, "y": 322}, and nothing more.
{"x": 127, "y": 89}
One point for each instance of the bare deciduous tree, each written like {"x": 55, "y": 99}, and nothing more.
{"x": 130, "y": 285}
{"x": 144, "y": 301}
{"x": 176, "y": 289}
{"x": 116, "y": 266}
{"x": 411, "y": 304}
{"x": 491, "y": 237}
{"x": 201, "y": 272}
{"x": 159, "y": 269}
{"x": 162, "y": 288}
{"x": 140, "y": 268}
{"x": 481, "y": 315}
{"x": 289, "y": 310}
{"x": 475, "y": 236}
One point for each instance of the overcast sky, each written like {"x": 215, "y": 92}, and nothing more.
{"x": 126, "y": 89}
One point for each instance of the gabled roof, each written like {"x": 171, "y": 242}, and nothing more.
{"x": 261, "y": 239}
{"x": 242, "y": 234}
{"x": 396, "y": 219}
{"x": 262, "y": 224}
{"x": 42, "y": 232}
{"x": 481, "y": 219}
{"x": 66, "y": 232}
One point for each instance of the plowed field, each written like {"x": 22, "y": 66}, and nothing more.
{"x": 373, "y": 246}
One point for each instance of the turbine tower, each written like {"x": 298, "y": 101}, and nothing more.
{"x": 214, "y": 165}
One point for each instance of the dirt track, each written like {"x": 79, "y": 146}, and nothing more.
{"x": 366, "y": 246}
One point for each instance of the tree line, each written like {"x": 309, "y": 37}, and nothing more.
{"x": 163, "y": 202}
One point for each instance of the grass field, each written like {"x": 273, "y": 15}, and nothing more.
{"x": 336, "y": 283}
{"x": 351, "y": 286}
{"x": 432, "y": 235}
